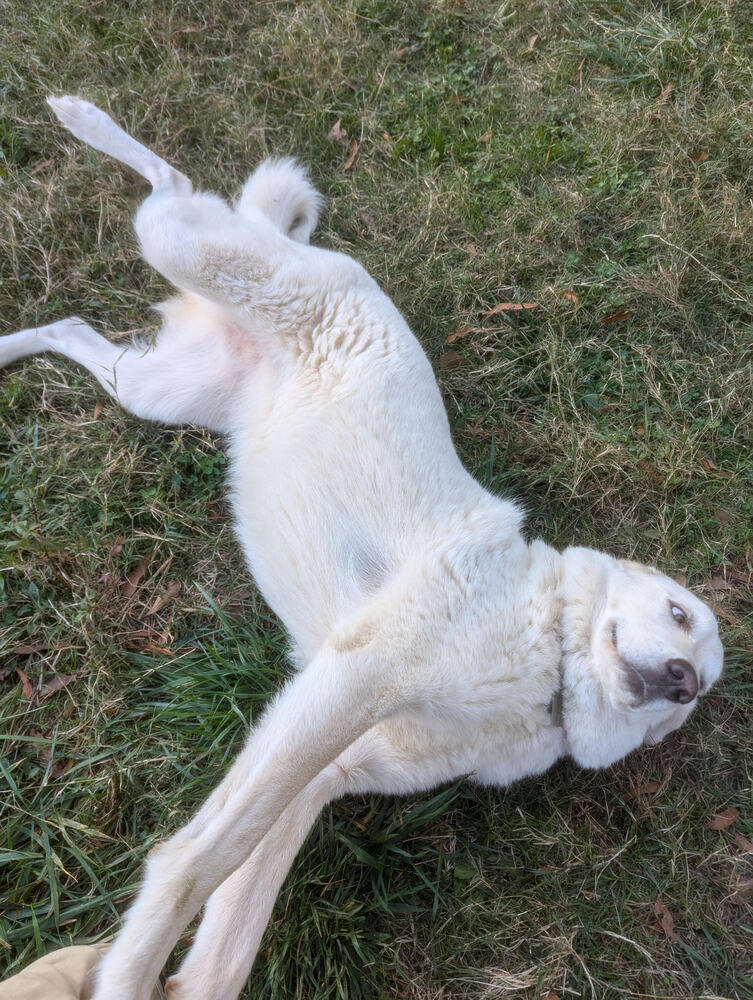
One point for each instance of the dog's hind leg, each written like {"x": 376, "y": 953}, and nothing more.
{"x": 96, "y": 128}
{"x": 174, "y": 382}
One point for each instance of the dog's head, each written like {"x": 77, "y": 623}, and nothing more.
{"x": 652, "y": 647}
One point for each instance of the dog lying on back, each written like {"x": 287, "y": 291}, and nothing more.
{"x": 433, "y": 640}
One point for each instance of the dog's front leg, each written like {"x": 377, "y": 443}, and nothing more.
{"x": 340, "y": 695}
{"x": 238, "y": 912}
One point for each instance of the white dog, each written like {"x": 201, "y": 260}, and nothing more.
{"x": 434, "y": 640}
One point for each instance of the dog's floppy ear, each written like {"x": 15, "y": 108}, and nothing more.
{"x": 636, "y": 567}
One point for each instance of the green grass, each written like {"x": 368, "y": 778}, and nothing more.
{"x": 508, "y": 152}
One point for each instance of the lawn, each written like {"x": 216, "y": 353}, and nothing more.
{"x": 591, "y": 159}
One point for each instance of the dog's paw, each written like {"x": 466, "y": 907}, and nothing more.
{"x": 85, "y": 120}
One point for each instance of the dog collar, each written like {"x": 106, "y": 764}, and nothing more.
{"x": 554, "y": 708}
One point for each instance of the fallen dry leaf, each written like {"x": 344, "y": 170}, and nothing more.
{"x": 724, "y": 819}
{"x": 732, "y": 577}
{"x": 646, "y": 788}
{"x": 134, "y": 577}
{"x": 337, "y": 133}
{"x": 710, "y": 466}
{"x": 650, "y": 471}
{"x": 352, "y": 153}
{"x": 58, "y": 682}
{"x": 171, "y": 592}
{"x": 666, "y": 920}
{"x": 723, "y": 516}
{"x": 464, "y": 331}
{"x": 616, "y": 317}
{"x": 576, "y": 77}
{"x": 36, "y": 647}
{"x": 743, "y": 843}
{"x": 744, "y": 890}
{"x": 26, "y": 684}
{"x": 509, "y": 307}
{"x": 450, "y": 360}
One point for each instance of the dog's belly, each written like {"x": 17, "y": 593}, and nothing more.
{"x": 336, "y": 482}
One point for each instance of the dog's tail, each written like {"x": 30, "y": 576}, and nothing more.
{"x": 281, "y": 189}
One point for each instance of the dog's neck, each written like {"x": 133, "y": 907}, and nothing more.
{"x": 588, "y": 715}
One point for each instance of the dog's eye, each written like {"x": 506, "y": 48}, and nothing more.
{"x": 679, "y": 615}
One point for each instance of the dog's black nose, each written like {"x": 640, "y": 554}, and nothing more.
{"x": 682, "y": 681}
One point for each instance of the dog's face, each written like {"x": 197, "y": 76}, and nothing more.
{"x": 656, "y": 645}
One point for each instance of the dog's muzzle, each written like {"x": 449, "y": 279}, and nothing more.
{"x": 676, "y": 681}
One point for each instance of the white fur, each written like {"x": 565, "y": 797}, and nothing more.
{"x": 432, "y": 637}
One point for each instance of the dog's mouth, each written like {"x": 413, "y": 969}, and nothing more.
{"x": 675, "y": 680}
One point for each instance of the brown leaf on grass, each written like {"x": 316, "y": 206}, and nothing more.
{"x": 616, "y": 317}
{"x": 337, "y": 133}
{"x": 576, "y": 77}
{"x": 710, "y": 466}
{"x": 58, "y": 682}
{"x": 664, "y": 94}
{"x": 666, "y": 920}
{"x": 509, "y": 307}
{"x": 724, "y": 819}
{"x": 352, "y": 153}
{"x": 744, "y": 890}
{"x": 134, "y": 577}
{"x": 57, "y": 768}
{"x": 727, "y": 578}
{"x": 645, "y": 788}
{"x": 723, "y": 516}
{"x": 650, "y": 471}
{"x": 743, "y": 843}
{"x": 171, "y": 592}
{"x": 26, "y": 684}
{"x": 464, "y": 331}
{"x": 450, "y": 360}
